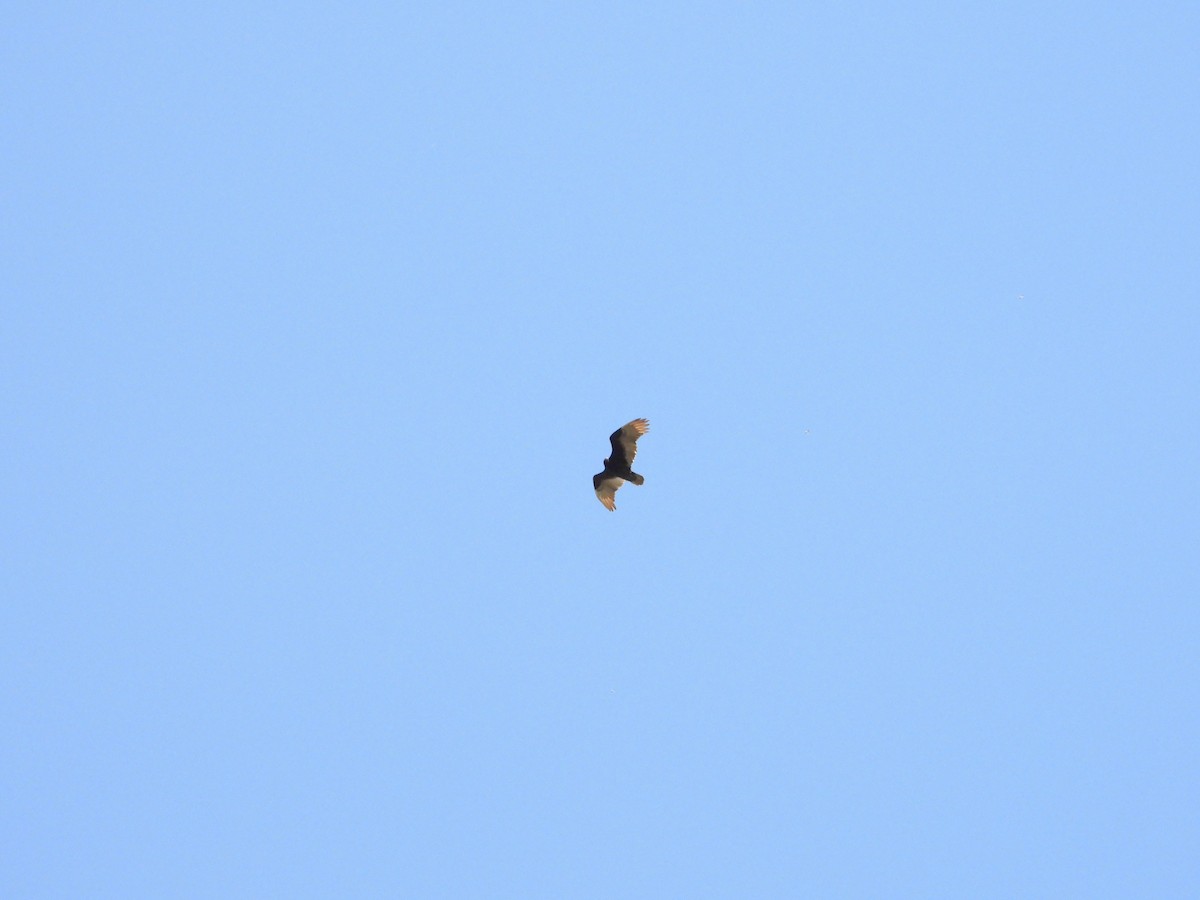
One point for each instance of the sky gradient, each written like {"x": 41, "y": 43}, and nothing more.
{"x": 317, "y": 319}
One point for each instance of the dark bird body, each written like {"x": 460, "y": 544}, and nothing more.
{"x": 618, "y": 468}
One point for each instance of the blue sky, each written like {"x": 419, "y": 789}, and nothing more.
{"x": 317, "y": 319}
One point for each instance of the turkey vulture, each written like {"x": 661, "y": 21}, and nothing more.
{"x": 618, "y": 468}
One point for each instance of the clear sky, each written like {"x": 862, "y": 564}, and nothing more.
{"x": 317, "y": 318}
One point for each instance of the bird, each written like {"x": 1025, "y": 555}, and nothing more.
{"x": 618, "y": 468}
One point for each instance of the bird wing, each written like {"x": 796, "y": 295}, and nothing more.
{"x": 606, "y": 491}
{"x": 624, "y": 440}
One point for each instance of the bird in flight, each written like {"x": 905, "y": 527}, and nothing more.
{"x": 618, "y": 468}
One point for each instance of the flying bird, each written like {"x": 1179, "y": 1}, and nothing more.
{"x": 618, "y": 468}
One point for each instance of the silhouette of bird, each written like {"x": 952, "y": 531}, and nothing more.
{"x": 618, "y": 468}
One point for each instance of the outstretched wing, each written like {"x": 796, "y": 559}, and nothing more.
{"x": 606, "y": 490}
{"x": 624, "y": 441}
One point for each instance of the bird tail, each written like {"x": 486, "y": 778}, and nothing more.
{"x": 636, "y": 478}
